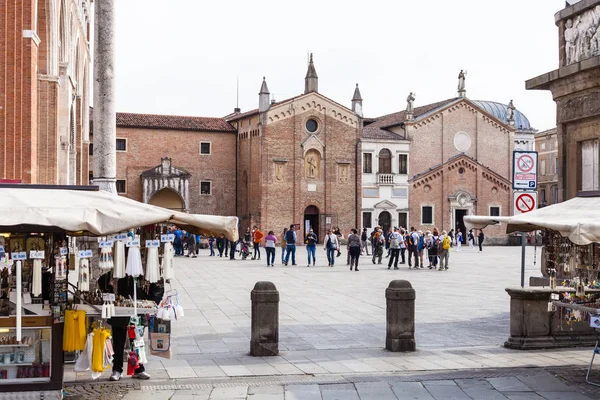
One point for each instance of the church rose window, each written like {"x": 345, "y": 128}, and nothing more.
{"x": 312, "y": 125}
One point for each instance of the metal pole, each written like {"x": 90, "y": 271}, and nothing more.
{"x": 523, "y": 240}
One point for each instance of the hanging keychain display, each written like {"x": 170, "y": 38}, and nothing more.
{"x": 168, "y": 255}
{"x": 152, "y": 274}
{"x": 36, "y": 282}
{"x": 106, "y": 255}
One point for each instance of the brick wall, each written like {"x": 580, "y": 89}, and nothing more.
{"x": 485, "y": 169}
{"x": 146, "y": 147}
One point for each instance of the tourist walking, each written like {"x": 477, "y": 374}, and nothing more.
{"x": 311, "y": 246}
{"x": 444, "y": 250}
{"x": 354, "y": 247}
{"x": 232, "y": 249}
{"x": 337, "y": 231}
{"x": 471, "y": 238}
{"x": 481, "y": 239}
{"x": 395, "y": 239}
{"x": 432, "y": 248}
{"x": 331, "y": 247}
{"x": 403, "y": 234}
{"x": 363, "y": 241}
{"x": 451, "y": 234}
{"x": 413, "y": 247}
{"x": 270, "y": 244}
{"x": 257, "y": 237}
{"x": 290, "y": 240}
{"x": 283, "y": 245}
{"x": 377, "y": 242}
{"x": 421, "y": 248}
{"x": 178, "y": 242}
{"x": 221, "y": 244}
{"x": 386, "y": 236}
{"x": 191, "y": 245}
{"x": 459, "y": 239}
{"x": 211, "y": 245}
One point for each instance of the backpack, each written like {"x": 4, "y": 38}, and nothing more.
{"x": 409, "y": 240}
{"x": 377, "y": 239}
{"x": 394, "y": 241}
{"x": 446, "y": 243}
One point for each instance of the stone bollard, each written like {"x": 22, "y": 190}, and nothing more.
{"x": 265, "y": 320}
{"x": 400, "y": 315}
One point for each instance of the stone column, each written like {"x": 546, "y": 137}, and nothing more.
{"x": 105, "y": 117}
{"x": 265, "y": 320}
{"x": 400, "y": 332}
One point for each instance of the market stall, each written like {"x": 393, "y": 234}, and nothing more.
{"x": 571, "y": 262}
{"x": 38, "y": 252}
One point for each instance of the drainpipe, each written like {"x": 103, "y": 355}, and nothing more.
{"x": 356, "y": 179}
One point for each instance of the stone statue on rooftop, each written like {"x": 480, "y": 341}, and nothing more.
{"x": 461, "y": 81}
{"x": 510, "y": 113}
{"x": 409, "y": 102}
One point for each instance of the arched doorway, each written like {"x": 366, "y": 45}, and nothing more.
{"x": 311, "y": 220}
{"x": 385, "y": 220}
{"x": 167, "y": 198}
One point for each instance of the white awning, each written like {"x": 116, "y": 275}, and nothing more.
{"x": 578, "y": 219}
{"x": 95, "y": 213}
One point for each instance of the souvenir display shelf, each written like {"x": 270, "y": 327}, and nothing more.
{"x": 33, "y": 298}
{"x": 28, "y": 361}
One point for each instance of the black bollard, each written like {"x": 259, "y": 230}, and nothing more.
{"x": 400, "y": 333}
{"x": 265, "y": 320}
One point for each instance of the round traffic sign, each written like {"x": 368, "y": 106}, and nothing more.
{"x": 525, "y": 163}
{"x": 525, "y": 202}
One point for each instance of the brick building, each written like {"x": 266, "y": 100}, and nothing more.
{"x": 44, "y": 91}
{"x": 458, "y": 161}
{"x": 546, "y": 144}
{"x": 299, "y": 162}
{"x": 176, "y": 162}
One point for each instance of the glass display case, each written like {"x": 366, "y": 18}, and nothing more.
{"x": 27, "y": 361}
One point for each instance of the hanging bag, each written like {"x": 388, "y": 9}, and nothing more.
{"x": 160, "y": 345}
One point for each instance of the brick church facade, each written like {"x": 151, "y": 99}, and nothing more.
{"x": 298, "y": 162}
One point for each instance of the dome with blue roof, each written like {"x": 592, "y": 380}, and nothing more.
{"x": 498, "y": 110}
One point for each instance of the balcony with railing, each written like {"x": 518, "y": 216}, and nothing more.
{"x": 385, "y": 179}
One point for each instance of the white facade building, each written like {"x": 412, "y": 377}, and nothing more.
{"x": 384, "y": 181}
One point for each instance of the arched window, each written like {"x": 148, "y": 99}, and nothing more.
{"x": 385, "y": 161}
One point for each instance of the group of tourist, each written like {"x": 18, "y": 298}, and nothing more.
{"x": 429, "y": 249}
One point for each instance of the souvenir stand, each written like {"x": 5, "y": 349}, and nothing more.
{"x": 564, "y": 312}
{"x": 37, "y": 223}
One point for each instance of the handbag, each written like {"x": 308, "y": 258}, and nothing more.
{"x": 160, "y": 344}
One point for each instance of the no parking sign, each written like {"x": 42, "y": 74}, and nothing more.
{"x": 525, "y": 170}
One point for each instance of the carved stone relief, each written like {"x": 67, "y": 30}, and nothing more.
{"x": 343, "y": 174}
{"x": 582, "y": 36}
{"x": 312, "y": 163}
{"x": 279, "y": 172}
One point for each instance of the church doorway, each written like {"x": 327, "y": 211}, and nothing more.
{"x": 385, "y": 220}
{"x": 311, "y": 221}
{"x": 459, "y": 216}
{"x": 167, "y": 198}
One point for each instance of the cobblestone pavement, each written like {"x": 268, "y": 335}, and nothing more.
{"x": 513, "y": 383}
{"x": 332, "y": 320}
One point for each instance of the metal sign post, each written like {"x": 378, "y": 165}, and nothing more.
{"x": 524, "y": 180}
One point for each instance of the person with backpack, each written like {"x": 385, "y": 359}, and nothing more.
{"x": 471, "y": 238}
{"x": 444, "y": 251}
{"x": 283, "y": 245}
{"x": 290, "y": 240}
{"x": 363, "y": 241}
{"x": 311, "y": 246}
{"x": 354, "y": 247}
{"x": 421, "y": 248}
{"x": 412, "y": 243}
{"x": 395, "y": 238}
{"x": 378, "y": 243}
{"x": 403, "y": 242}
{"x": 331, "y": 246}
{"x": 432, "y": 248}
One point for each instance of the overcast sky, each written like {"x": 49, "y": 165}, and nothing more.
{"x": 183, "y": 57}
